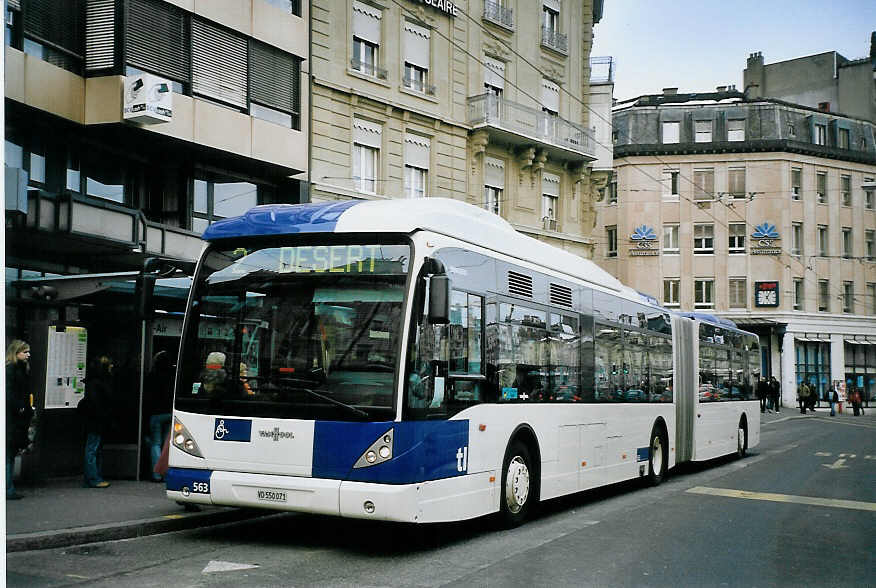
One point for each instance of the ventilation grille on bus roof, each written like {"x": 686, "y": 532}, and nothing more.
{"x": 561, "y": 295}
{"x": 519, "y": 284}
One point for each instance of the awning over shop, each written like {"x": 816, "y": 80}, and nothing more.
{"x": 860, "y": 340}
{"x": 60, "y": 288}
{"x": 812, "y": 337}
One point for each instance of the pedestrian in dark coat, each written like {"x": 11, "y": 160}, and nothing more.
{"x": 763, "y": 390}
{"x": 775, "y": 392}
{"x": 97, "y": 414}
{"x": 18, "y": 408}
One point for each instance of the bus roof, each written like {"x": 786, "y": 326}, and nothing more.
{"x": 440, "y": 215}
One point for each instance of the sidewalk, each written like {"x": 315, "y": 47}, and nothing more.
{"x": 789, "y": 412}
{"x": 60, "y": 512}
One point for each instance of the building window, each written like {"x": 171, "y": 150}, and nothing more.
{"x": 736, "y": 129}
{"x": 796, "y": 238}
{"x": 290, "y": 6}
{"x": 670, "y": 293}
{"x": 417, "y": 58}
{"x": 415, "y": 181}
{"x": 611, "y": 241}
{"x": 798, "y": 293}
{"x": 550, "y": 107}
{"x": 813, "y": 365}
{"x": 821, "y": 187}
{"x": 736, "y": 182}
{"x": 492, "y": 198}
{"x": 847, "y": 242}
{"x": 704, "y": 239}
{"x": 823, "y": 296}
{"x": 274, "y": 85}
{"x": 823, "y": 242}
{"x": 217, "y": 197}
{"x": 612, "y": 191}
{"x": 869, "y": 194}
{"x": 871, "y": 292}
{"x": 796, "y": 183}
{"x": 365, "y": 168}
{"x": 704, "y": 293}
{"x": 496, "y": 11}
{"x": 219, "y": 64}
{"x": 670, "y": 239}
{"x": 366, "y": 39}
{"x": 738, "y": 293}
{"x": 52, "y": 31}
{"x": 494, "y": 183}
{"x": 737, "y": 237}
{"x": 365, "y": 57}
{"x": 848, "y": 297}
{"x": 670, "y": 184}
{"x": 846, "y": 190}
{"x": 417, "y": 163}
{"x": 704, "y": 184}
{"x": 703, "y": 131}
{"x": 494, "y": 85}
{"x": 550, "y": 27}
{"x": 550, "y": 199}
{"x": 671, "y": 132}
{"x": 792, "y": 129}
{"x": 820, "y": 135}
{"x": 843, "y": 139}
{"x": 870, "y": 245}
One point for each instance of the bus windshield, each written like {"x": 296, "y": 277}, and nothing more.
{"x": 309, "y": 332}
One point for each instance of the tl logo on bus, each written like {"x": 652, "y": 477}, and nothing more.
{"x": 462, "y": 459}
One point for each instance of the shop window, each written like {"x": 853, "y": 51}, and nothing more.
{"x": 218, "y": 198}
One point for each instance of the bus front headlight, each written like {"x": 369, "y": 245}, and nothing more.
{"x": 183, "y": 440}
{"x": 378, "y": 452}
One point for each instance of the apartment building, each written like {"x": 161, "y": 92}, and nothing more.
{"x": 755, "y": 210}
{"x": 484, "y": 101}
{"x": 131, "y": 125}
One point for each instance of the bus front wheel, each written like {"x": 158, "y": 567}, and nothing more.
{"x": 517, "y": 484}
{"x": 657, "y": 458}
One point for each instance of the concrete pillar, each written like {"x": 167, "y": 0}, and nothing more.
{"x": 837, "y": 358}
{"x": 789, "y": 371}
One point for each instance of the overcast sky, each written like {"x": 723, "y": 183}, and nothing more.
{"x": 696, "y": 46}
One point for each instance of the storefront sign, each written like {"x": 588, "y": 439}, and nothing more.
{"x": 766, "y": 294}
{"x": 765, "y": 238}
{"x": 148, "y": 99}
{"x": 645, "y": 241}
{"x": 444, "y": 6}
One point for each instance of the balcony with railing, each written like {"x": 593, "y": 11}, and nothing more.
{"x": 368, "y": 69}
{"x": 498, "y": 14}
{"x": 554, "y": 39}
{"x": 601, "y": 70}
{"x": 515, "y": 124}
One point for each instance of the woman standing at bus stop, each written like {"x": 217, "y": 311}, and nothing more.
{"x": 18, "y": 408}
{"x": 96, "y": 411}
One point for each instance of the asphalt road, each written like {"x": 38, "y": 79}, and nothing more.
{"x": 799, "y": 511}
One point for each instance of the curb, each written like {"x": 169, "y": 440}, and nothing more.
{"x": 127, "y": 529}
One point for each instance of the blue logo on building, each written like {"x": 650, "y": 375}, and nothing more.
{"x": 643, "y": 233}
{"x": 765, "y": 231}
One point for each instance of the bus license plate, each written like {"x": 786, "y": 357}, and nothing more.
{"x": 271, "y": 495}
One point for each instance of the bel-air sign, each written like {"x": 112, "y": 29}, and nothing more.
{"x": 765, "y": 236}
{"x": 444, "y": 6}
{"x": 645, "y": 242}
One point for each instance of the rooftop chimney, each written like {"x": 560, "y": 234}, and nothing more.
{"x": 720, "y": 88}
{"x": 670, "y": 91}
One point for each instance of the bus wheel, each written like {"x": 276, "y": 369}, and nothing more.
{"x": 517, "y": 483}
{"x": 742, "y": 439}
{"x": 657, "y": 460}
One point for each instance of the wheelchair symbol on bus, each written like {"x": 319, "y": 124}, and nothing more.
{"x": 221, "y": 431}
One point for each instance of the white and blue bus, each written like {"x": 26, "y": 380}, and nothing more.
{"x": 421, "y": 361}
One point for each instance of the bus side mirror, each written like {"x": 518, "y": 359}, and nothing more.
{"x": 439, "y": 299}
{"x": 145, "y": 286}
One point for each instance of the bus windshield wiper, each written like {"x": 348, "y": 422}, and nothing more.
{"x": 350, "y": 407}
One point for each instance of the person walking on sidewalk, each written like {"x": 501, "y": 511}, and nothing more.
{"x": 18, "y": 408}
{"x": 159, "y": 404}
{"x": 97, "y": 415}
{"x": 763, "y": 390}
{"x": 775, "y": 392}
{"x": 834, "y": 399}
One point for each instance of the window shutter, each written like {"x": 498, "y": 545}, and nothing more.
{"x": 550, "y": 185}
{"x": 13, "y": 4}
{"x": 494, "y": 173}
{"x": 219, "y": 59}
{"x": 366, "y": 133}
{"x": 156, "y": 39}
{"x": 274, "y": 78}
{"x": 550, "y": 95}
{"x": 552, "y": 4}
{"x": 494, "y": 73}
{"x": 417, "y": 151}
{"x": 366, "y": 22}
{"x": 736, "y": 181}
{"x": 56, "y": 24}
{"x": 416, "y": 45}
{"x": 100, "y": 34}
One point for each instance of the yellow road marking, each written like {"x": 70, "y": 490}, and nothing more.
{"x": 790, "y": 498}
{"x": 174, "y": 516}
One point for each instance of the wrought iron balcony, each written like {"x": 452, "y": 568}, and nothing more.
{"x": 517, "y": 124}
{"x": 368, "y": 69}
{"x": 498, "y": 14}
{"x": 553, "y": 39}
{"x": 419, "y": 86}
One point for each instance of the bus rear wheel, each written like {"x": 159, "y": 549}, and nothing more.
{"x": 657, "y": 458}
{"x": 517, "y": 485}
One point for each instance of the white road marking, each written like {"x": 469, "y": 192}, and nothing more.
{"x": 789, "y": 498}
{"x": 226, "y": 566}
{"x": 823, "y": 453}
{"x": 837, "y": 465}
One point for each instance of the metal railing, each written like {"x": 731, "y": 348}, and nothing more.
{"x": 519, "y": 119}
{"x": 368, "y": 69}
{"x": 601, "y": 70}
{"x": 419, "y": 86}
{"x": 554, "y": 39}
{"x": 496, "y": 13}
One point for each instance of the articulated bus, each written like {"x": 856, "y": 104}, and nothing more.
{"x": 421, "y": 361}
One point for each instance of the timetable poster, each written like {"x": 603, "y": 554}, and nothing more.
{"x": 65, "y": 367}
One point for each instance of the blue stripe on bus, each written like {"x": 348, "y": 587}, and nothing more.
{"x": 422, "y": 450}
{"x": 281, "y": 219}
{"x": 179, "y": 478}
{"x": 642, "y": 454}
